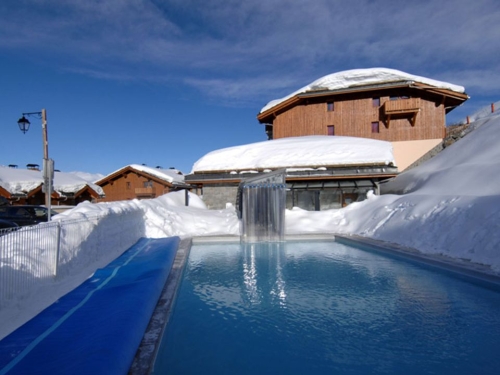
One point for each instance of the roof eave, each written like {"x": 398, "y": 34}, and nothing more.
{"x": 263, "y": 117}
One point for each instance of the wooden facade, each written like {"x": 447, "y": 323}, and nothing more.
{"x": 390, "y": 112}
{"x": 129, "y": 183}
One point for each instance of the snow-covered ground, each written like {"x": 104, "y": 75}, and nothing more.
{"x": 448, "y": 206}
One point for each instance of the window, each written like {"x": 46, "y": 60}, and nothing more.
{"x": 330, "y": 106}
{"x": 147, "y": 184}
{"x": 376, "y": 102}
{"x": 128, "y": 185}
{"x": 331, "y": 129}
{"x": 375, "y": 127}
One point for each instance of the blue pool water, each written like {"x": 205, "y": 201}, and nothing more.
{"x": 326, "y": 308}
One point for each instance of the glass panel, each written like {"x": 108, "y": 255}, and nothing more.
{"x": 329, "y": 199}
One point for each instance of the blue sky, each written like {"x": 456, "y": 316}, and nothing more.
{"x": 165, "y": 82}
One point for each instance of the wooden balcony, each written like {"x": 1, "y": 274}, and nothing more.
{"x": 401, "y": 108}
{"x": 147, "y": 192}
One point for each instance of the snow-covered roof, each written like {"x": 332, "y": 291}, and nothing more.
{"x": 298, "y": 152}
{"x": 22, "y": 181}
{"x": 172, "y": 175}
{"x": 362, "y": 77}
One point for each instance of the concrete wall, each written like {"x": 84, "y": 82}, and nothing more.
{"x": 408, "y": 152}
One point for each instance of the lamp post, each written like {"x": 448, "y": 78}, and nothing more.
{"x": 48, "y": 164}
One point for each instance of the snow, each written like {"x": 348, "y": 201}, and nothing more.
{"x": 296, "y": 152}
{"x": 362, "y": 77}
{"x": 170, "y": 175}
{"x": 22, "y": 181}
{"x": 447, "y": 207}
{"x": 89, "y": 177}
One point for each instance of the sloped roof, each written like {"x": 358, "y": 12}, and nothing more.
{"x": 170, "y": 176}
{"x": 24, "y": 181}
{"x": 363, "y": 77}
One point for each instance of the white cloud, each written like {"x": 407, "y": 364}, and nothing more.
{"x": 283, "y": 43}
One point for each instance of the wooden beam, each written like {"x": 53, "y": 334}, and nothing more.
{"x": 413, "y": 119}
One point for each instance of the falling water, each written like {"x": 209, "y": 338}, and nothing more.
{"x": 262, "y": 202}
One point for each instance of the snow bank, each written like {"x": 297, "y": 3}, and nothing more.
{"x": 361, "y": 77}
{"x": 449, "y": 204}
{"x": 98, "y": 242}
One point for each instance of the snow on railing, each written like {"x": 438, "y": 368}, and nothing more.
{"x": 33, "y": 255}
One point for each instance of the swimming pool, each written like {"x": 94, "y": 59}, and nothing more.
{"x": 321, "y": 307}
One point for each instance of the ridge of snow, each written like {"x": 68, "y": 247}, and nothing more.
{"x": 361, "y": 77}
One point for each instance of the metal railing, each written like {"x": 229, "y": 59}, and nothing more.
{"x": 30, "y": 256}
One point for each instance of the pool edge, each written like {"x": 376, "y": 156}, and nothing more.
{"x": 145, "y": 356}
{"x": 479, "y": 272}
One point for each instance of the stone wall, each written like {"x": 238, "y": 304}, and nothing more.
{"x": 216, "y": 197}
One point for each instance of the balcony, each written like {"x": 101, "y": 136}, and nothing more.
{"x": 147, "y": 192}
{"x": 401, "y": 108}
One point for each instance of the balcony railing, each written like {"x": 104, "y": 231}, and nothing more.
{"x": 145, "y": 192}
{"x": 402, "y": 108}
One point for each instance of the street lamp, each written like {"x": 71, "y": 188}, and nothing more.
{"x": 48, "y": 164}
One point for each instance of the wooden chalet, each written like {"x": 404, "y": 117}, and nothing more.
{"x": 140, "y": 182}
{"x": 408, "y": 111}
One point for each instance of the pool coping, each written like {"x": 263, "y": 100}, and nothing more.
{"x": 146, "y": 354}
{"x": 475, "y": 271}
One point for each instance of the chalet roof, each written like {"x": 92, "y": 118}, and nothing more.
{"x": 363, "y": 80}
{"x": 299, "y": 153}
{"x": 169, "y": 176}
{"x": 26, "y": 181}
